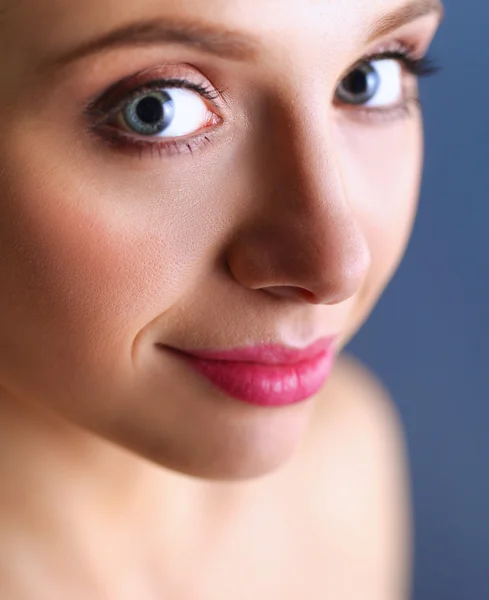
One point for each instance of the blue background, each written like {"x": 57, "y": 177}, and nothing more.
{"x": 426, "y": 339}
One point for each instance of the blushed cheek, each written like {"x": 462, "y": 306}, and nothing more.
{"x": 78, "y": 283}
{"x": 92, "y": 252}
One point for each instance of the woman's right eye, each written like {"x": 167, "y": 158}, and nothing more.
{"x": 161, "y": 113}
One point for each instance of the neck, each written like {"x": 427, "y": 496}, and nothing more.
{"x": 62, "y": 485}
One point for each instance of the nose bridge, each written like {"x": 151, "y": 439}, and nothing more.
{"x": 305, "y": 160}
{"x": 310, "y": 237}
{"x": 302, "y": 154}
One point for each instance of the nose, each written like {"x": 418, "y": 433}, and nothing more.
{"x": 303, "y": 240}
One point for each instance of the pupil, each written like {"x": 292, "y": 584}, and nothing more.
{"x": 357, "y": 82}
{"x": 150, "y": 110}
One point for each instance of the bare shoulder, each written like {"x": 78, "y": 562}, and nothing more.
{"x": 357, "y": 445}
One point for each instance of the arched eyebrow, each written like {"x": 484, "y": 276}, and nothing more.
{"x": 209, "y": 38}
{"x": 213, "y": 39}
{"x": 404, "y": 15}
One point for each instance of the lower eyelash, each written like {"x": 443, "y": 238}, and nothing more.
{"x": 408, "y": 108}
{"x": 100, "y": 111}
{"x": 129, "y": 144}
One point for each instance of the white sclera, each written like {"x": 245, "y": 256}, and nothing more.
{"x": 191, "y": 113}
{"x": 390, "y": 89}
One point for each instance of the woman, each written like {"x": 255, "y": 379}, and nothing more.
{"x": 201, "y": 204}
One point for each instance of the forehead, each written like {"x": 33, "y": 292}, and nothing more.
{"x": 66, "y": 19}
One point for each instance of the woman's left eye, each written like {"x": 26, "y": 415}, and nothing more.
{"x": 164, "y": 112}
{"x": 372, "y": 84}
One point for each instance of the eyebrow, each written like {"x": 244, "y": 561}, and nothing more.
{"x": 213, "y": 39}
{"x": 404, "y": 15}
{"x": 210, "y": 38}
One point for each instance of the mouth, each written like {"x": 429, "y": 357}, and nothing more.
{"x": 263, "y": 375}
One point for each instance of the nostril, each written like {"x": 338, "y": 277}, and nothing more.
{"x": 309, "y": 296}
{"x": 293, "y": 292}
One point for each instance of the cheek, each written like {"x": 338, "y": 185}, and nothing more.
{"x": 383, "y": 171}
{"x": 393, "y": 179}
{"x": 84, "y": 267}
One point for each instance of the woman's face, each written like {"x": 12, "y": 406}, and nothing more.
{"x": 270, "y": 203}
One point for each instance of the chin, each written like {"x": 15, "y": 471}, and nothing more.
{"x": 232, "y": 451}
{"x": 229, "y": 468}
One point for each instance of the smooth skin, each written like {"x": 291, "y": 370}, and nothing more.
{"x": 123, "y": 474}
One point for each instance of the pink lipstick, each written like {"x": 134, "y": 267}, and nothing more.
{"x": 265, "y": 375}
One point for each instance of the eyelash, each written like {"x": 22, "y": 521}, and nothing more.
{"x": 101, "y": 110}
{"x": 420, "y": 67}
{"x": 424, "y": 66}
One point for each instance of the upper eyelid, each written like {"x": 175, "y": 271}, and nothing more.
{"x": 111, "y": 101}
{"x": 408, "y": 51}
{"x": 162, "y": 82}
{"x": 184, "y": 82}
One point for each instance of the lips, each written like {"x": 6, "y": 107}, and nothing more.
{"x": 266, "y": 354}
{"x": 264, "y": 375}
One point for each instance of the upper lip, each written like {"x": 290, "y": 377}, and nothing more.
{"x": 272, "y": 354}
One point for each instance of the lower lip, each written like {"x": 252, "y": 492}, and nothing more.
{"x": 265, "y": 385}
